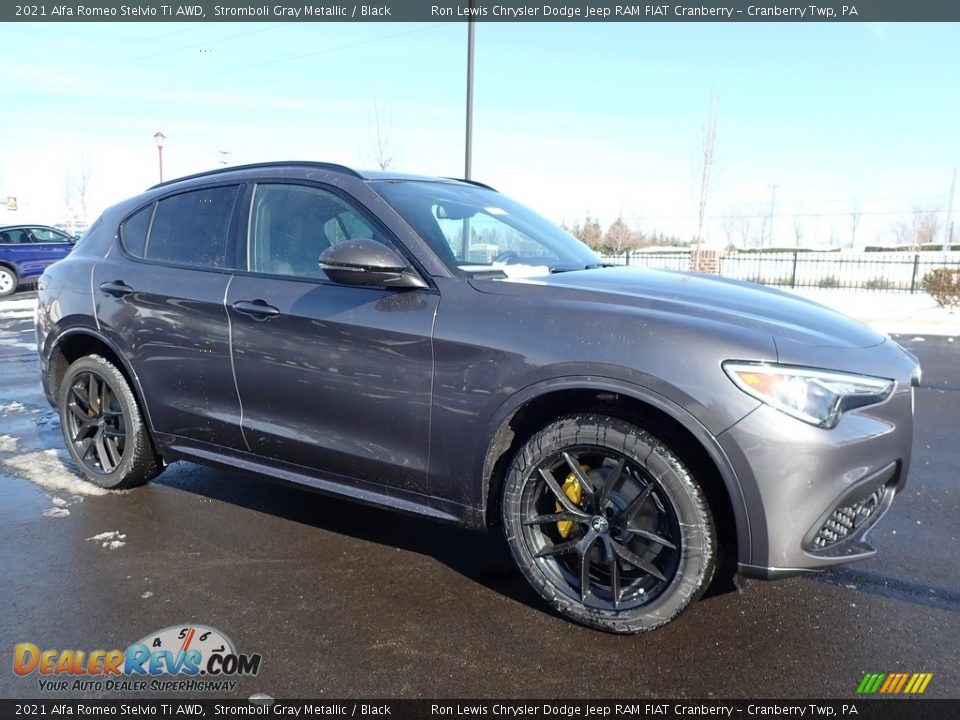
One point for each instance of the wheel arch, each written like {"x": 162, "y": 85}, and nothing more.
{"x": 77, "y": 342}
{"x": 11, "y": 266}
{"x": 534, "y": 407}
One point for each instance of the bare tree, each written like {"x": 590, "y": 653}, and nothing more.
{"x": 729, "y": 226}
{"x": 797, "y": 231}
{"x": 764, "y": 219}
{"x": 926, "y": 225}
{"x": 383, "y": 147}
{"x": 854, "y": 221}
{"x": 707, "y": 148}
{"x": 83, "y": 182}
{"x": 744, "y": 228}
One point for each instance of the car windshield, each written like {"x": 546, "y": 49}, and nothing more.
{"x": 476, "y": 230}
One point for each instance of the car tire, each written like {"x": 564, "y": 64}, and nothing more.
{"x": 608, "y": 524}
{"x": 8, "y": 281}
{"x": 103, "y": 427}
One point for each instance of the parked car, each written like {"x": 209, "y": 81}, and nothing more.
{"x": 628, "y": 429}
{"x": 27, "y": 250}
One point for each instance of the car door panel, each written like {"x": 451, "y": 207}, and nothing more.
{"x": 338, "y": 379}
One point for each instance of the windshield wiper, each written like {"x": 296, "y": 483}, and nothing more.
{"x": 594, "y": 266}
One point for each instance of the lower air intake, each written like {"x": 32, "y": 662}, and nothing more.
{"x": 844, "y": 520}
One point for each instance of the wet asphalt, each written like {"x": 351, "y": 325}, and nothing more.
{"x": 344, "y": 601}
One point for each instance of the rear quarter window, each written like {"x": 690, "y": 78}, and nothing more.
{"x": 193, "y": 228}
{"x": 133, "y": 231}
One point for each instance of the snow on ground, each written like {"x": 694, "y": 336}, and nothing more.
{"x": 18, "y": 309}
{"x": 894, "y": 313}
{"x": 48, "y": 469}
{"x": 112, "y": 539}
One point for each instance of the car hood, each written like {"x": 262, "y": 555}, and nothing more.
{"x": 786, "y": 317}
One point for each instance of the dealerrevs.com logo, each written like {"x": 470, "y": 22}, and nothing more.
{"x": 188, "y": 658}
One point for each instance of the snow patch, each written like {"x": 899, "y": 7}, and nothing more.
{"x": 108, "y": 535}
{"x": 44, "y": 468}
{"x": 8, "y": 443}
{"x": 59, "y": 502}
{"x": 26, "y": 304}
{"x": 56, "y": 512}
{"x": 16, "y": 314}
{"x": 12, "y": 407}
{"x": 146, "y": 595}
{"x": 112, "y": 539}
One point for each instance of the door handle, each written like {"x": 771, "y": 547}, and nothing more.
{"x": 257, "y": 309}
{"x": 116, "y": 288}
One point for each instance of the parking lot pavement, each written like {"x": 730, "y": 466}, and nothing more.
{"x": 345, "y": 601}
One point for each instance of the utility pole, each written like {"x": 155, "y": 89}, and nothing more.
{"x": 948, "y": 226}
{"x": 773, "y": 200}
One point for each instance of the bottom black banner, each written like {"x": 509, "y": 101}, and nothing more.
{"x": 892, "y": 709}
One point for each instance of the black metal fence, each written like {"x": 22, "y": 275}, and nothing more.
{"x": 896, "y": 271}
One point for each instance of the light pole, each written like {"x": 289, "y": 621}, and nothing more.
{"x": 160, "y": 137}
{"x": 468, "y": 155}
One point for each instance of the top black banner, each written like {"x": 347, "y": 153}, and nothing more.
{"x": 482, "y": 11}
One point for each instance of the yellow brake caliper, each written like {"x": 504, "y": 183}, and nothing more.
{"x": 572, "y": 489}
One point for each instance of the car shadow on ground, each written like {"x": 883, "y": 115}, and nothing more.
{"x": 481, "y": 557}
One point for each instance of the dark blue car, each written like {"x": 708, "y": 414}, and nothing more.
{"x": 27, "y": 250}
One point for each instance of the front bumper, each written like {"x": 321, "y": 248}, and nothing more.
{"x": 813, "y": 495}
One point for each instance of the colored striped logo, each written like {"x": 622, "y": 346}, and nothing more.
{"x": 894, "y": 683}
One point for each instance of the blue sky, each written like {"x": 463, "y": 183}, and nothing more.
{"x": 569, "y": 118}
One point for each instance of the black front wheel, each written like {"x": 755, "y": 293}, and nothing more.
{"x": 102, "y": 426}
{"x": 608, "y": 524}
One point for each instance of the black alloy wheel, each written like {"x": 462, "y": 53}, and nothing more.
{"x": 608, "y": 524}
{"x": 103, "y": 426}
{"x": 619, "y": 546}
{"x": 95, "y": 423}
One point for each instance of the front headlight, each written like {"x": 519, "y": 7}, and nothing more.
{"x": 818, "y": 397}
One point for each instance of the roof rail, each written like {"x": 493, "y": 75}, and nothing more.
{"x": 472, "y": 182}
{"x": 288, "y": 163}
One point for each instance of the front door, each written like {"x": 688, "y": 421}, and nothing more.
{"x": 332, "y": 378}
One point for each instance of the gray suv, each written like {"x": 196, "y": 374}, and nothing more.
{"x": 431, "y": 346}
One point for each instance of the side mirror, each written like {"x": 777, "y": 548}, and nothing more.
{"x": 367, "y": 262}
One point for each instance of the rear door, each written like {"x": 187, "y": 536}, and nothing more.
{"x": 332, "y": 378}
{"x": 161, "y": 298}
{"x": 50, "y": 245}
{"x": 17, "y": 248}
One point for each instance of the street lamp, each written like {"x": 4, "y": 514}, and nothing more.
{"x": 160, "y": 137}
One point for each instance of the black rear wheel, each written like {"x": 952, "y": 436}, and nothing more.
{"x": 103, "y": 427}
{"x": 608, "y": 525}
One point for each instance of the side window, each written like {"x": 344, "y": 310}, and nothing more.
{"x": 14, "y": 237}
{"x": 133, "y": 232}
{"x": 193, "y": 228}
{"x": 291, "y": 225}
{"x": 43, "y": 235}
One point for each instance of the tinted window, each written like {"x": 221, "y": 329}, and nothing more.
{"x": 43, "y": 235}
{"x": 291, "y": 225}
{"x": 193, "y": 228}
{"x": 15, "y": 236}
{"x": 133, "y": 232}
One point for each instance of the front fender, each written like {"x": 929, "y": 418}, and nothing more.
{"x": 498, "y": 437}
